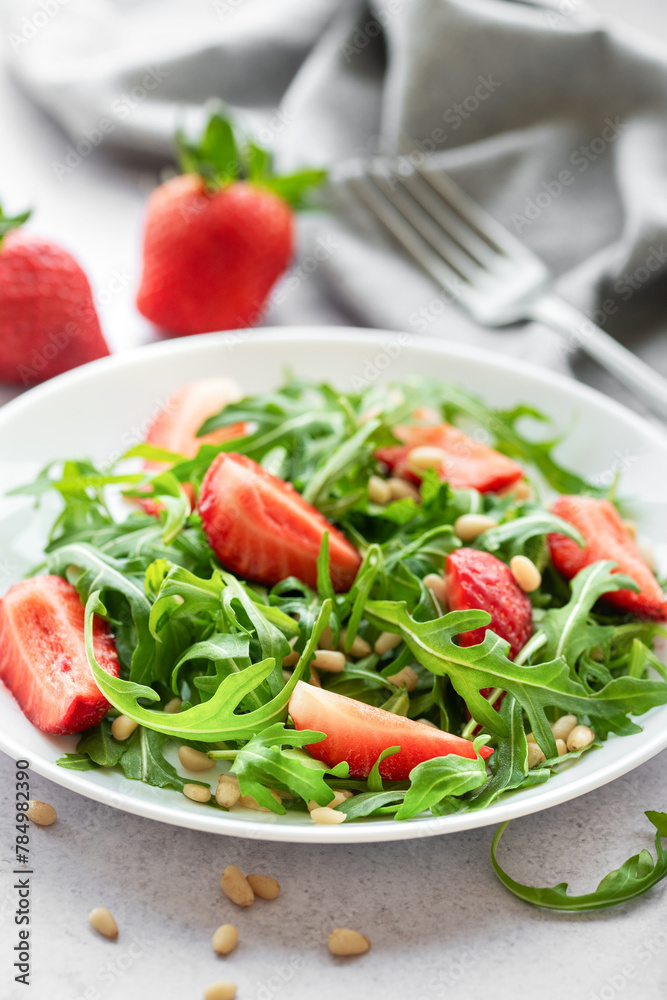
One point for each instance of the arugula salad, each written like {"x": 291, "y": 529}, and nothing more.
{"x": 380, "y": 604}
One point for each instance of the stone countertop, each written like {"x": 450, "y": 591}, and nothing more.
{"x": 440, "y": 923}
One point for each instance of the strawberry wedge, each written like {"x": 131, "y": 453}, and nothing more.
{"x": 175, "y": 425}
{"x": 358, "y": 733}
{"x": 479, "y": 580}
{"x": 261, "y": 528}
{"x": 43, "y": 658}
{"x": 606, "y": 538}
{"x": 464, "y": 463}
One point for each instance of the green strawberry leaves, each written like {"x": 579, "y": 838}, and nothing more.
{"x": 224, "y": 154}
{"x": 9, "y": 222}
{"x": 636, "y": 876}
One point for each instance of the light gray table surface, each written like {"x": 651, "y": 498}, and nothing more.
{"x": 439, "y": 922}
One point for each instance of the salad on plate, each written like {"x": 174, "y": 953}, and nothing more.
{"x": 351, "y": 606}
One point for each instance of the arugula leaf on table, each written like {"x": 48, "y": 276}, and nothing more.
{"x": 437, "y": 779}
{"x": 636, "y": 876}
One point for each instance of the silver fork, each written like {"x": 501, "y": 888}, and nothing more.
{"x": 479, "y": 263}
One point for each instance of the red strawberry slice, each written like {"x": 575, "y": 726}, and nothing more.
{"x": 479, "y": 580}
{"x": 606, "y": 538}
{"x": 261, "y": 528}
{"x": 43, "y": 658}
{"x": 466, "y": 463}
{"x": 358, "y": 733}
{"x": 175, "y": 426}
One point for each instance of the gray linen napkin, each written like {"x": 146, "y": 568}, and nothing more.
{"x": 555, "y": 122}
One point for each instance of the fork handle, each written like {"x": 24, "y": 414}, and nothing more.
{"x": 582, "y": 333}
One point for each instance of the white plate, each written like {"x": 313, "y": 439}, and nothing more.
{"x": 103, "y": 408}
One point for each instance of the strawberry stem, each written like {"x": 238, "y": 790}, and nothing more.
{"x": 224, "y": 153}
{"x": 8, "y": 222}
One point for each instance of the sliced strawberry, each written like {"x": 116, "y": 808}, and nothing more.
{"x": 43, "y": 658}
{"x": 175, "y": 426}
{"x": 466, "y": 463}
{"x": 479, "y": 580}
{"x": 358, "y": 733}
{"x": 261, "y": 528}
{"x": 606, "y": 538}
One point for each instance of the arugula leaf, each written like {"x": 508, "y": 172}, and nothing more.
{"x": 509, "y": 761}
{"x": 636, "y": 876}
{"x": 374, "y": 779}
{"x": 433, "y": 780}
{"x": 371, "y": 803}
{"x": 517, "y": 532}
{"x": 274, "y": 757}
{"x": 99, "y": 745}
{"x": 215, "y": 719}
{"x": 565, "y": 628}
{"x": 142, "y": 759}
{"x": 77, "y": 762}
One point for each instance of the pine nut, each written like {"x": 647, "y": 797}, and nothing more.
{"x": 264, "y": 886}
{"x": 194, "y": 760}
{"x": 236, "y": 887}
{"x": 329, "y": 659}
{"x": 535, "y": 756}
{"x": 228, "y": 793}
{"x": 522, "y": 491}
{"x": 371, "y": 413}
{"x": 250, "y": 802}
{"x": 103, "y": 922}
{"x": 327, "y": 817}
{"x": 379, "y": 491}
{"x": 407, "y": 676}
{"x": 631, "y": 528}
{"x": 344, "y": 942}
{"x": 401, "y": 489}
{"x": 340, "y": 795}
{"x": 427, "y": 722}
{"x": 426, "y": 456}
{"x": 562, "y": 727}
{"x": 436, "y": 583}
{"x": 386, "y": 641}
{"x": 358, "y": 648}
{"x": 122, "y": 728}
{"x": 220, "y": 991}
{"x": 646, "y": 552}
{"x": 225, "y": 939}
{"x": 173, "y": 706}
{"x": 41, "y": 813}
{"x": 314, "y": 678}
{"x": 530, "y": 738}
{"x": 561, "y": 748}
{"x": 292, "y": 658}
{"x": 326, "y": 639}
{"x": 198, "y": 793}
{"x": 580, "y": 737}
{"x": 471, "y": 526}
{"x": 526, "y": 573}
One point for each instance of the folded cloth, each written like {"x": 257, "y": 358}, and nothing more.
{"x": 552, "y": 120}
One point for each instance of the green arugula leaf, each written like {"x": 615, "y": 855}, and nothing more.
{"x": 215, "y": 719}
{"x": 142, "y": 759}
{"x": 274, "y": 757}
{"x": 509, "y": 761}
{"x": 565, "y": 628}
{"x": 77, "y": 762}
{"x": 636, "y": 876}
{"x": 516, "y": 533}
{"x": 99, "y": 745}
{"x": 374, "y": 779}
{"x": 436, "y": 779}
{"x": 371, "y": 803}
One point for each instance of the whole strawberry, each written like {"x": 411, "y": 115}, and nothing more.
{"x": 218, "y": 237}
{"x": 48, "y": 322}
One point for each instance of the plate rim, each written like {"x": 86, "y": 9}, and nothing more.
{"x": 372, "y": 831}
